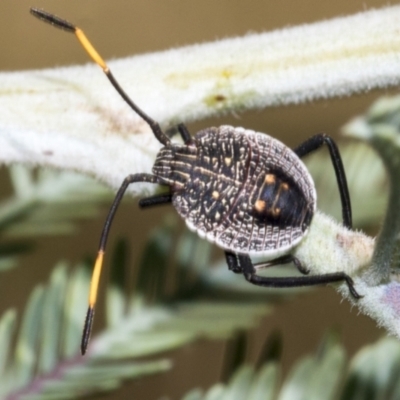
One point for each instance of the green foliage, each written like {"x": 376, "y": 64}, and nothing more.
{"x": 372, "y": 374}
{"x": 45, "y": 361}
{"x": 45, "y": 202}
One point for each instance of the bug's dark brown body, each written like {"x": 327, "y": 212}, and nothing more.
{"x": 243, "y": 190}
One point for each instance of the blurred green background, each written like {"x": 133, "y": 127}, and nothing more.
{"x": 122, "y": 28}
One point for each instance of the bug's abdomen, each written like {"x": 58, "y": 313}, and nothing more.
{"x": 278, "y": 201}
{"x": 245, "y": 191}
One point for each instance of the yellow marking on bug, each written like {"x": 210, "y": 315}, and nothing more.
{"x": 275, "y": 212}
{"x": 94, "y": 283}
{"x": 215, "y": 195}
{"x": 270, "y": 179}
{"x": 260, "y": 205}
{"x": 90, "y": 49}
{"x": 228, "y": 161}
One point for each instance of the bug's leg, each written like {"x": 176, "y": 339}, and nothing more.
{"x": 283, "y": 260}
{"x": 249, "y": 273}
{"x": 67, "y": 26}
{"x": 185, "y": 134}
{"x": 94, "y": 284}
{"x": 287, "y": 259}
{"x": 314, "y": 143}
{"x": 155, "y": 200}
{"x": 233, "y": 263}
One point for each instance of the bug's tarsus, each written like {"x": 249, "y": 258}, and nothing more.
{"x": 350, "y": 284}
{"x": 300, "y": 267}
{"x": 156, "y": 200}
{"x": 314, "y": 143}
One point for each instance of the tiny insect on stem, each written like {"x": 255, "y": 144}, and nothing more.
{"x": 245, "y": 191}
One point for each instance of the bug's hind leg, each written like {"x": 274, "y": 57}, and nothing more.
{"x": 287, "y": 259}
{"x": 156, "y": 200}
{"x": 234, "y": 266}
{"x": 283, "y": 260}
{"x": 249, "y": 273}
{"x": 314, "y": 143}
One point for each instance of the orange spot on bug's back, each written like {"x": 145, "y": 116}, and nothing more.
{"x": 270, "y": 179}
{"x": 260, "y": 205}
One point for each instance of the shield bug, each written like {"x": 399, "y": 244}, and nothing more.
{"x": 243, "y": 190}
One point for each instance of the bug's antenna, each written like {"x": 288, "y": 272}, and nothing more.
{"x": 67, "y": 26}
{"x": 159, "y": 134}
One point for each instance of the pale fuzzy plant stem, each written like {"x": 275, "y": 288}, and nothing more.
{"x": 71, "y": 118}
{"x": 373, "y": 265}
{"x": 330, "y": 247}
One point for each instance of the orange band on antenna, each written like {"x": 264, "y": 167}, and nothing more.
{"x": 90, "y": 49}
{"x": 94, "y": 284}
